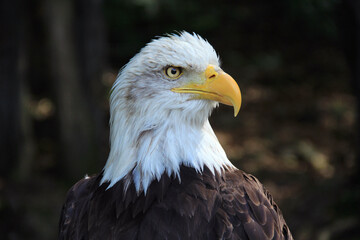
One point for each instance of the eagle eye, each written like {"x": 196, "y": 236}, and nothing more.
{"x": 173, "y": 72}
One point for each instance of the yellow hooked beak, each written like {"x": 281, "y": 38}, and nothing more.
{"x": 218, "y": 86}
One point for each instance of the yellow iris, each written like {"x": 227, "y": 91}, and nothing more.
{"x": 173, "y": 72}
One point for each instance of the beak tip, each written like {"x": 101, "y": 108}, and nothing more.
{"x": 236, "y": 105}
{"x": 236, "y": 111}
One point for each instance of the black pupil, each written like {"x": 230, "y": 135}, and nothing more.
{"x": 173, "y": 71}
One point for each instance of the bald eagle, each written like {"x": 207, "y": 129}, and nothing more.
{"x": 167, "y": 176}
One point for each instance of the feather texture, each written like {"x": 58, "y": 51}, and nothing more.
{"x": 233, "y": 205}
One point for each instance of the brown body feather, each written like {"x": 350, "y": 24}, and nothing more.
{"x": 233, "y": 205}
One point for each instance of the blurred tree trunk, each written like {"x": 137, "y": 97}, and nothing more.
{"x": 349, "y": 29}
{"x": 9, "y": 84}
{"x": 77, "y": 124}
{"x": 91, "y": 45}
{"x": 26, "y": 144}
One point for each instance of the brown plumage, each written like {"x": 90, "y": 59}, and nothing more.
{"x": 234, "y": 205}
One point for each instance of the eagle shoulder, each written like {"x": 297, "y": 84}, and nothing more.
{"x": 248, "y": 211}
{"x": 73, "y": 218}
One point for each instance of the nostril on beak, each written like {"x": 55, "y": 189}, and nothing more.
{"x": 212, "y": 76}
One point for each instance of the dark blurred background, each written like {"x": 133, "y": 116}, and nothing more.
{"x": 296, "y": 61}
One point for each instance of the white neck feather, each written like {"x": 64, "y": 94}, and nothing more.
{"x": 150, "y": 149}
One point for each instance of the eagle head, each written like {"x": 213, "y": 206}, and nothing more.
{"x": 159, "y": 107}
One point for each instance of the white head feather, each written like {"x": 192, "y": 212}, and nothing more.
{"x": 154, "y": 130}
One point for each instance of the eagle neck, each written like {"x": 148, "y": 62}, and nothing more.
{"x": 142, "y": 151}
